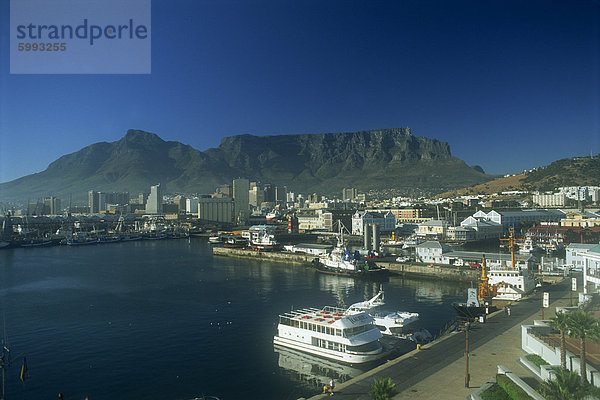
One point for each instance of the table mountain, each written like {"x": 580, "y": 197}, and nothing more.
{"x": 373, "y": 159}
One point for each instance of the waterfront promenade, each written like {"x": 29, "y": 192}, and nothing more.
{"x": 438, "y": 369}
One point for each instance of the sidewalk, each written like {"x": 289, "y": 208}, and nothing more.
{"x": 505, "y": 349}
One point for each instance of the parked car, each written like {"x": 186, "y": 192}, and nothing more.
{"x": 403, "y": 259}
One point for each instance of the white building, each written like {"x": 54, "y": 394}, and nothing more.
{"x": 580, "y": 192}
{"x": 591, "y": 270}
{"x": 432, "y": 252}
{"x": 154, "y": 202}
{"x": 575, "y": 254}
{"x": 385, "y": 221}
{"x": 484, "y": 229}
{"x": 550, "y": 199}
{"x": 439, "y": 253}
{"x": 510, "y": 219}
{"x": 191, "y": 205}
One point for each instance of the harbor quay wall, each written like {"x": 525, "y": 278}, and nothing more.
{"x": 295, "y": 258}
{"x": 433, "y": 272}
{"x": 410, "y": 270}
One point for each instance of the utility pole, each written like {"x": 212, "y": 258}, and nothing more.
{"x": 4, "y": 360}
{"x": 467, "y": 377}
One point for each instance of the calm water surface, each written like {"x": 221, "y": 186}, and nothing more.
{"x": 165, "y": 320}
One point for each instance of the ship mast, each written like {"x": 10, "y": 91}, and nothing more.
{"x": 511, "y": 246}
{"x": 484, "y": 289}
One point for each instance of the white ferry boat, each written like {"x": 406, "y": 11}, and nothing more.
{"x": 331, "y": 333}
{"x": 389, "y": 323}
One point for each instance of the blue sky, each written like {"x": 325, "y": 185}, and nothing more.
{"x": 509, "y": 84}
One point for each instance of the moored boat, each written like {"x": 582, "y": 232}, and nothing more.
{"x": 215, "y": 239}
{"x": 479, "y": 301}
{"x": 341, "y": 262}
{"x": 263, "y": 241}
{"x": 396, "y": 323}
{"x": 235, "y": 243}
{"x": 331, "y": 333}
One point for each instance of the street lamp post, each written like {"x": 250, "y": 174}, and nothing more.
{"x": 467, "y": 377}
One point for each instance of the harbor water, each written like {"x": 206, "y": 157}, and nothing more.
{"x": 167, "y": 320}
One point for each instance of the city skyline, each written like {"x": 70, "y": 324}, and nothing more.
{"x": 509, "y": 86}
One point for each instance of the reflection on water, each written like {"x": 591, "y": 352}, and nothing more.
{"x": 314, "y": 372}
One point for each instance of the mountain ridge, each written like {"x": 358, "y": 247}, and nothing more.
{"x": 325, "y": 162}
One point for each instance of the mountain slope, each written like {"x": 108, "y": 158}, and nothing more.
{"x": 577, "y": 171}
{"x": 375, "y": 159}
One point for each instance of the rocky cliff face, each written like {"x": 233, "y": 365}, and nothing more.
{"x": 374, "y": 159}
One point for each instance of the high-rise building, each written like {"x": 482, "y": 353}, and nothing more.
{"x": 290, "y": 197}
{"x": 101, "y": 201}
{"x": 154, "y": 203}
{"x": 280, "y": 194}
{"x": 349, "y": 194}
{"x": 120, "y": 198}
{"x": 51, "y": 205}
{"x": 94, "y": 202}
{"x": 142, "y": 197}
{"x": 241, "y": 200}
{"x": 191, "y": 205}
{"x": 269, "y": 193}
{"x": 181, "y": 203}
{"x": 256, "y": 196}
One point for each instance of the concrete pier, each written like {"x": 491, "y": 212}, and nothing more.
{"x": 294, "y": 258}
{"x": 415, "y": 270}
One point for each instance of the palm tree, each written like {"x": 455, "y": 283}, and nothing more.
{"x": 566, "y": 385}
{"x": 582, "y": 326}
{"x": 561, "y": 323}
{"x": 383, "y": 389}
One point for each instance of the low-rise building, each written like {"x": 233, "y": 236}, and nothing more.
{"x": 484, "y": 229}
{"x": 320, "y": 219}
{"x": 440, "y": 253}
{"x": 591, "y": 270}
{"x": 386, "y": 222}
{"x": 432, "y": 252}
{"x": 582, "y": 220}
{"x": 575, "y": 254}
{"x": 512, "y": 219}
{"x": 435, "y": 229}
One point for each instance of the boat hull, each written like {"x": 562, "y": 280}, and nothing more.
{"x": 348, "y": 358}
{"x": 320, "y": 267}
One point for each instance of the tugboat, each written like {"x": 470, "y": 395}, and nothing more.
{"x": 233, "y": 242}
{"x": 479, "y": 301}
{"x": 341, "y": 262}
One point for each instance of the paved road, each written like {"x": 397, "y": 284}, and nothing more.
{"x": 418, "y": 365}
